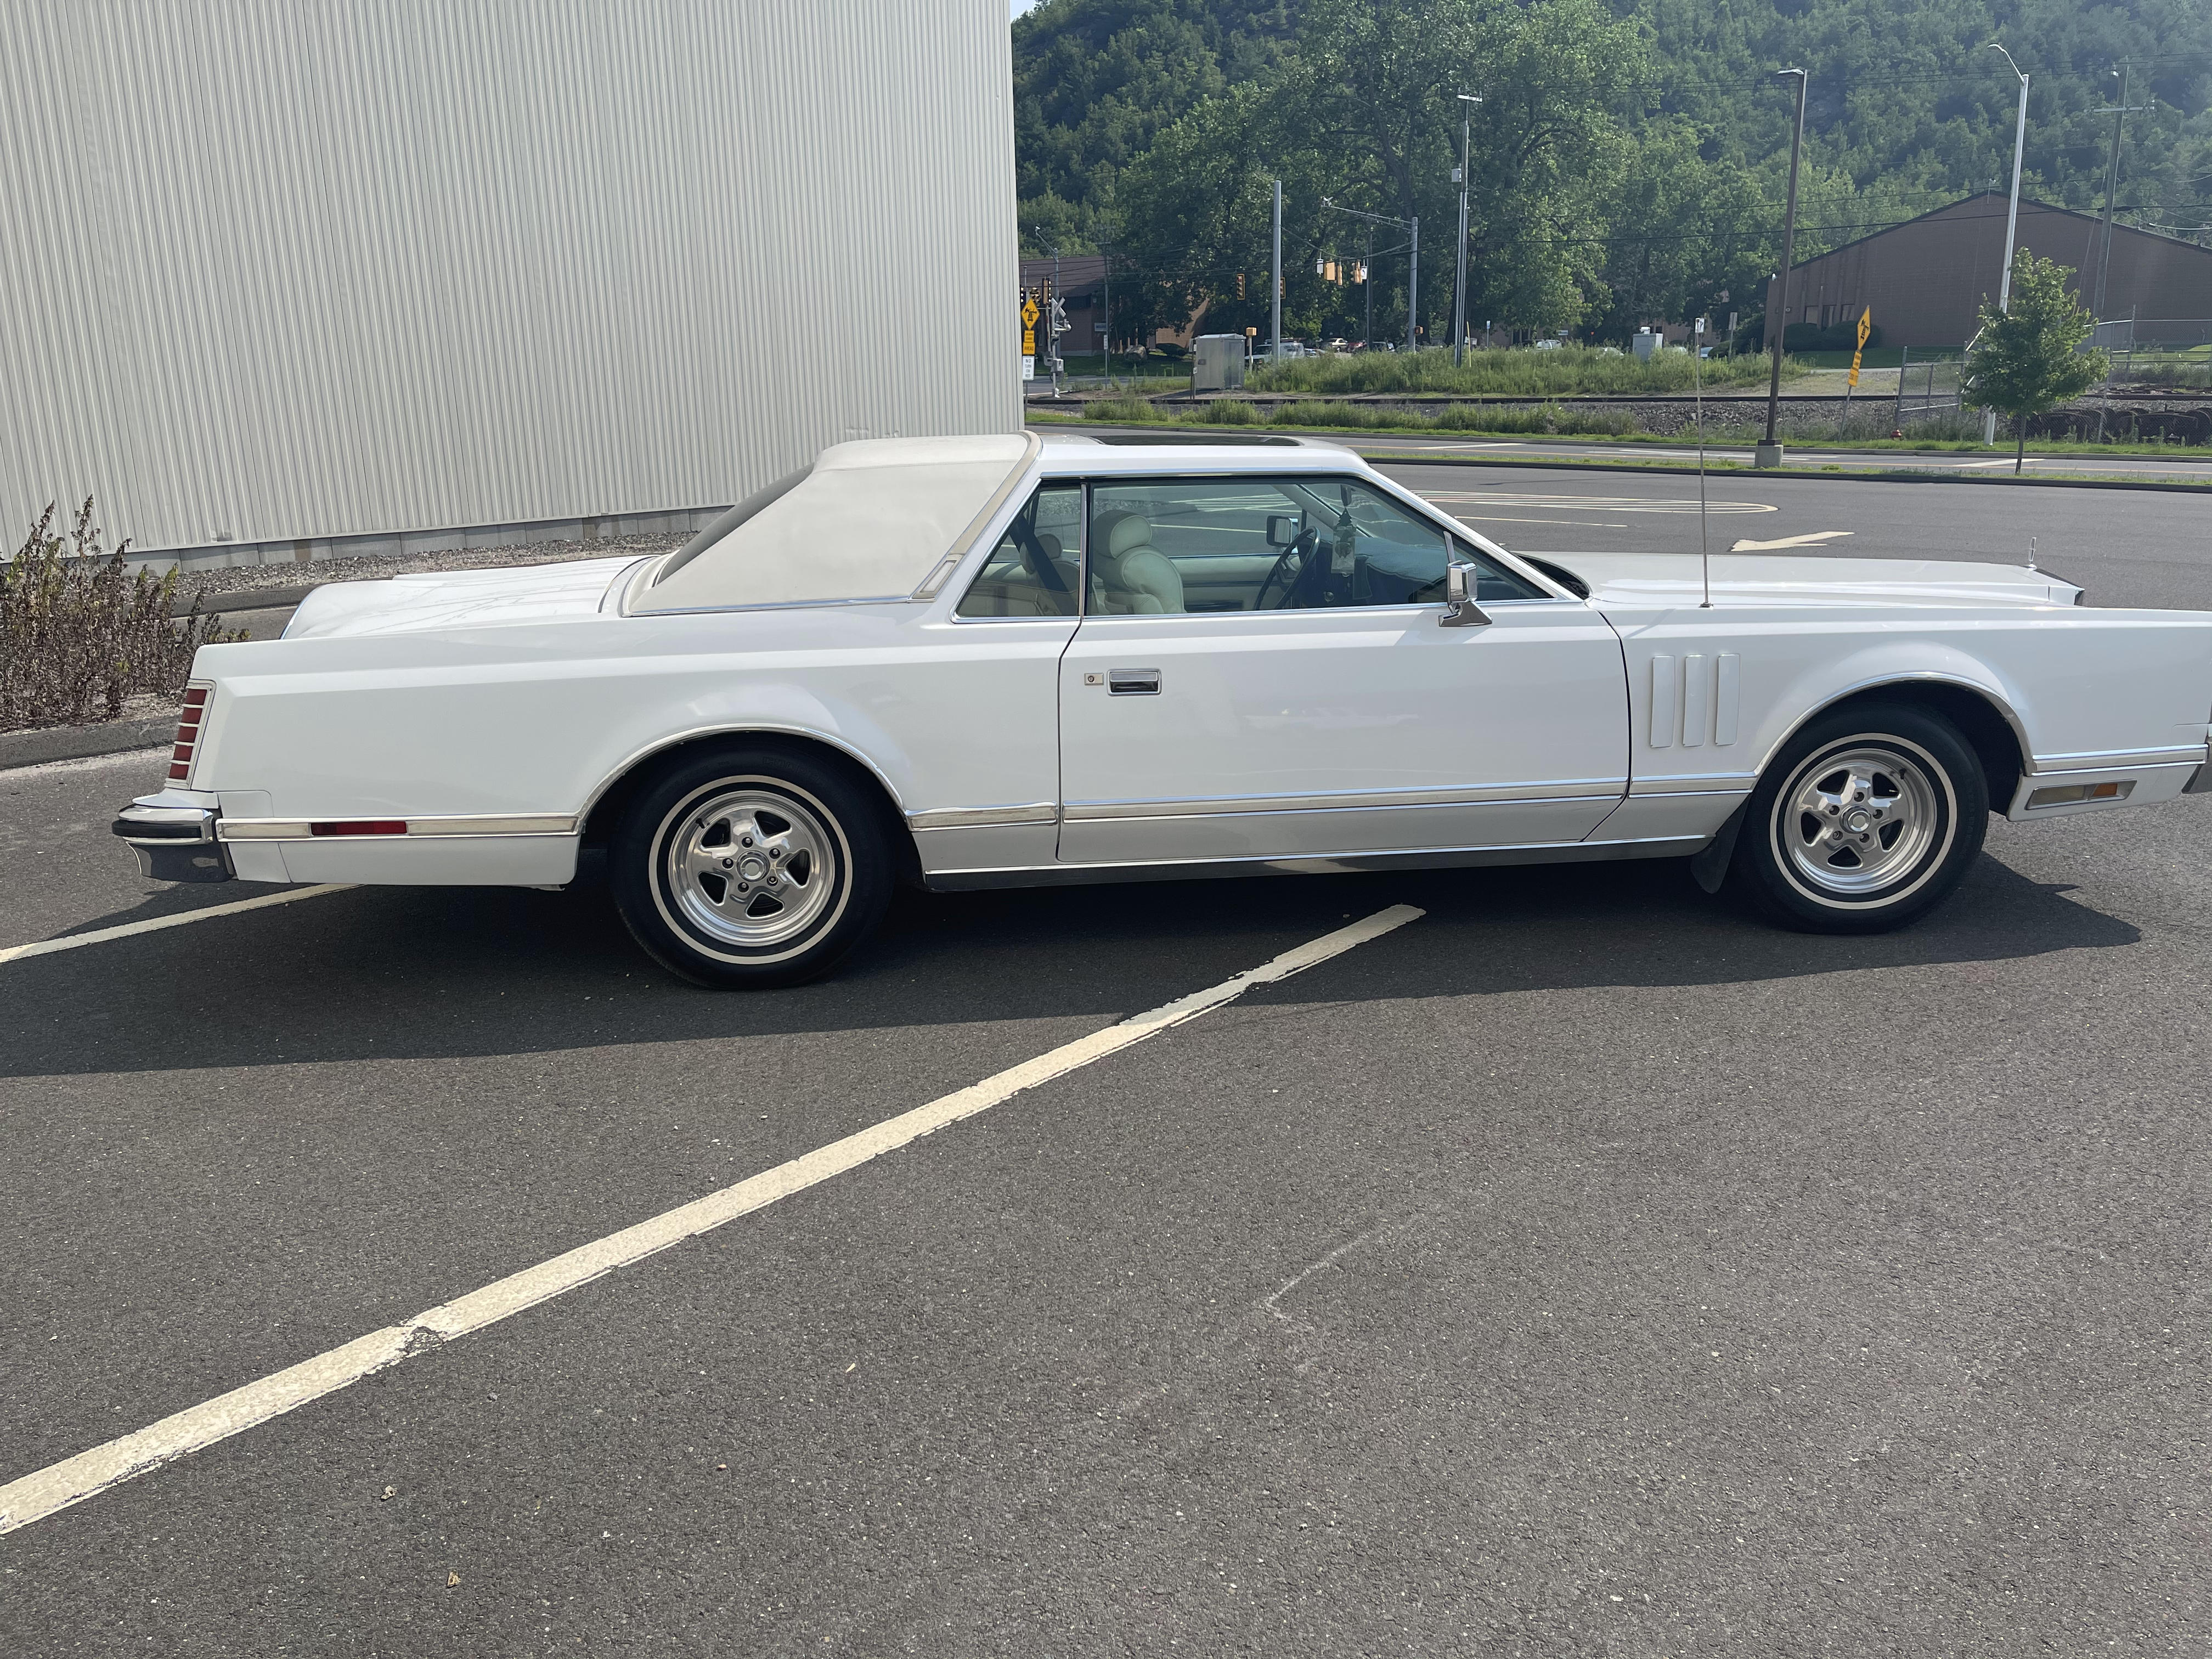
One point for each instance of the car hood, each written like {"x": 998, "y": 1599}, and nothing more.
{"x": 1668, "y": 580}
{"x": 458, "y": 599}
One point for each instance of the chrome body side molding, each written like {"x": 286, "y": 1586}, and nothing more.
{"x": 536, "y": 823}
{"x": 982, "y": 817}
{"x": 1327, "y": 863}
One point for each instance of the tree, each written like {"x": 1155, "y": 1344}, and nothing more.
{"x": 1364, "y": 111}
{"x": 2024, "y": 360}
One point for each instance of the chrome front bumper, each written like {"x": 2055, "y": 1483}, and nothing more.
{"x": 174, "y": 843}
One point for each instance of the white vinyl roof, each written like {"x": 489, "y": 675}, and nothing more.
{"x": 871, "y": 519}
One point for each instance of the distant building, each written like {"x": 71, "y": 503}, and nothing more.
{"x": 1926, "y": 278}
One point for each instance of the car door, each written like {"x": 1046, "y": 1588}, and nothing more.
{"x": 1260, "y": 672}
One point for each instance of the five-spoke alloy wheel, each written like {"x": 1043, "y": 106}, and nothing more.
{"x": 751, "y": 865}
{"x": 1868, "y": 817}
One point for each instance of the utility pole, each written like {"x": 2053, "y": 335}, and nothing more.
{"x": 1769, "y": 453}
{"x": 1106, "y": 252}
{"x": 1414, "y": 286}
{"x": 1458, "y": 286}
{"x": 1367, "y": 282}
{"x": 2012, "y": 221}
{"x": 2119, "y": 114}
{"x": 1275, "y": 329}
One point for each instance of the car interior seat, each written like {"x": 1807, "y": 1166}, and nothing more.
{"x": 1128, "y": 574}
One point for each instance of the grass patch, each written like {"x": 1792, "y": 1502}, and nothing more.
{"x": 1938, "y": 434}
{"x": 1568, "y": 372}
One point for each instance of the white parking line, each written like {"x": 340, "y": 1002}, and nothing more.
{"x": 129, "y": 929}
{"x": 35, "y": 1496}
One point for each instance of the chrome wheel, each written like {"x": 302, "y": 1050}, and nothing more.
{"x": 1855, "y": 821}
{"x": 750, "y": 867}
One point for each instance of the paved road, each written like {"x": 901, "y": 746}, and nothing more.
{"x": 1583, "y": 1268}
{"x": 2183, "y": 468}
{"x": 2126, "y": 547}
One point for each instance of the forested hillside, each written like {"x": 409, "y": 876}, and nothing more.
{"x": 1629, "y": 158}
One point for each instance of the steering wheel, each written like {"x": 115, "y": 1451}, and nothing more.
{"x": 1301, "y": 550}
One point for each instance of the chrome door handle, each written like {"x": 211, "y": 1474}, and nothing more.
{"x": 1133, "y": 682}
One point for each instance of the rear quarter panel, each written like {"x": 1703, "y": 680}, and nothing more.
{"x": 538, "y": 719}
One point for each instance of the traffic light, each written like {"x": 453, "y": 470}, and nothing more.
{"x": 1240, "y": 284}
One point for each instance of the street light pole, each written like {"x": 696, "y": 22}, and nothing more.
{"x": 1769, "y": 453}
{"x": 2011, "y": 220}
{"x": 1414, "y": 286}
{"x": 1458, "y": 286}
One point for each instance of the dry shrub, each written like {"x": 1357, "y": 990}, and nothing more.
{"x": 80, "y": 635}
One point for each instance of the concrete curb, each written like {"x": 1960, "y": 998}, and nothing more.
{"x": 61, "y": 743}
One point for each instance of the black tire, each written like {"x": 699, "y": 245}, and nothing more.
{"x": 809, "y": 832}
{"x": 1868, "y": 818}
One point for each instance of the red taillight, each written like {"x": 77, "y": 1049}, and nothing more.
{"x": 360, "y": 827}
{"x": 188, "y": 733}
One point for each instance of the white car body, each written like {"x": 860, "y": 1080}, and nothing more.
{"x": 464, "y": 728}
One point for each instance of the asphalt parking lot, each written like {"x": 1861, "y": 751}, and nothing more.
{"x": 1582, "y": 1267}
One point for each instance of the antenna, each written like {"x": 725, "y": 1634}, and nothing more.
{"x": 1698, "y": 388}
{"x": 2030, "y": 552}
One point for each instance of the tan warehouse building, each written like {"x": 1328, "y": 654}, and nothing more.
{"x": 1926, "y": 279}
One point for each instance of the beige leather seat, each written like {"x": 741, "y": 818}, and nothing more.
{"x": 1128, "y": 574}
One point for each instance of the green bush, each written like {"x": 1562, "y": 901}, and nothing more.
{"x": 1231, "y": 411}
{"x": 80, "y": 635}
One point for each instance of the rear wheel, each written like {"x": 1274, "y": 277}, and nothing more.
{"x": 751, "y": 866}
{"x": 1868, "y": 818}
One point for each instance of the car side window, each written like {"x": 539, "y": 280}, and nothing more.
{"x": 1285, "y": 543}
{"x": 1035, "y": 570}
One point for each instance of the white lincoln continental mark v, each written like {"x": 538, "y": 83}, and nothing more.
{"x": 998, "y": 661}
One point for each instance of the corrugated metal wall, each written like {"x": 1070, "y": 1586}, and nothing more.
{"x": 306, "y": 267}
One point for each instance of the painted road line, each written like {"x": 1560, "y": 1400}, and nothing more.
{"x": 35, "y": 1496}
{"x": 1579, "y": 524}
{"x": 130, "y": 929}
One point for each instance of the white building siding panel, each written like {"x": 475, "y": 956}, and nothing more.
{"x": 301, "y": 269}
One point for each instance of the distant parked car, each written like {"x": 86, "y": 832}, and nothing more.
{"x": 1002, "y": 662}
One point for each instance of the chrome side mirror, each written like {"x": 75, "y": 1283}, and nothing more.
{"x": 1460, "y": 608}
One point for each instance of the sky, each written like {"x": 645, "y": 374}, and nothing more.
{"x": 1017, "y": 8}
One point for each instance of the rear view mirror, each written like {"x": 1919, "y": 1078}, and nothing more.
{"x": 1282, "y": 530}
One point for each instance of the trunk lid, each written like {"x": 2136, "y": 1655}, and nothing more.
{"x": 459, "y": 598}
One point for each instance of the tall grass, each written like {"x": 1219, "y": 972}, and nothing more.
{"x": 1568, "y": 372}
{"x": 80, "y": 635}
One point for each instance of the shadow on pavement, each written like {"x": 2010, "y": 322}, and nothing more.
{"x": 398, "y": 974}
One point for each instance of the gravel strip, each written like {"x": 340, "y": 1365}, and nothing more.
{"x": 240, "y": 579}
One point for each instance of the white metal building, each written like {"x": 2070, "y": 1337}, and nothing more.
{"x": 284, "y": 272}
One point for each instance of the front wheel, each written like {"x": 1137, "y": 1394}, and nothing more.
{"x": 751, "y": 866}
{"x": 1868, "y": 818}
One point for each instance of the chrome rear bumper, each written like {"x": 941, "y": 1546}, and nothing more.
{"x": 174, "y": 843}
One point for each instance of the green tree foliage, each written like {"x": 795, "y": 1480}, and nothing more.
{"x": 1095, "y": 82}
{"x": 2027, "y": 359}
{"x": 1364, "y": 114}
{"x": 1630, "y": 161}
